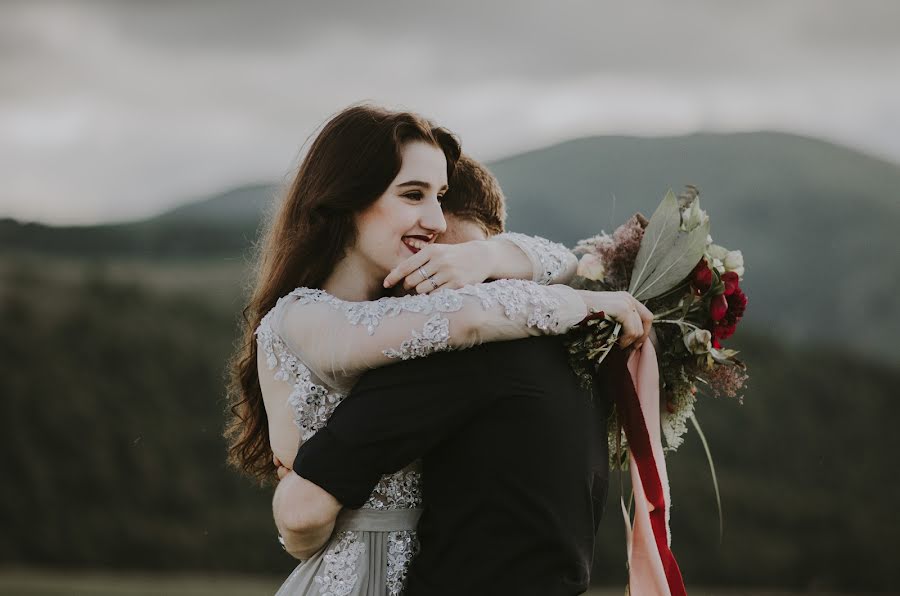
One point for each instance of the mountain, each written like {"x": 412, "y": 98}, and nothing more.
{"x": 234, "y": 207}
{"x": 817, "y": 222}
{"x": 222, "y": 225}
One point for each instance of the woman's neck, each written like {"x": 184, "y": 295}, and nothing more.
{"x": 353, "y": 279}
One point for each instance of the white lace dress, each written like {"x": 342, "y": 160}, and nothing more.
{"x": 312, "y": 348}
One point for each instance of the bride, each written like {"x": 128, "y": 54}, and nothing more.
{"x": 365, "y": 206}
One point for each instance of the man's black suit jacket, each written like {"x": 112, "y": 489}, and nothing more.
{"x": 515, "y": 464}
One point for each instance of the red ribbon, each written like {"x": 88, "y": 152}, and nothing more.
{"x": 631, "y": 417}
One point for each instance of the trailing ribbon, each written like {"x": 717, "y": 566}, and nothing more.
{"x": 634, "y": 385}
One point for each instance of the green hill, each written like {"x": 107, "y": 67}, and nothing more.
{"x": 817, "y": 222}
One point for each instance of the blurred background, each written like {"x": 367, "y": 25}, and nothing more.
{"x": 141, "y": 142}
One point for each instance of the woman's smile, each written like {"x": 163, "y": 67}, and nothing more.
{"x": 417, "y": 243}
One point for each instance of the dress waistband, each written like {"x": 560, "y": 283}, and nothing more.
{"x": 377, "y": 520}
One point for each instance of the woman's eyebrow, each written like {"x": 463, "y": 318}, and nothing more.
{"x": 414, "y": 183}
{"x": 425, "y": 185}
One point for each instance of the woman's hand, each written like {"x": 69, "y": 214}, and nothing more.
{"x": 280, "y": 469}
{"x": 635, "y": 318}
{"x": 449, "y": 266}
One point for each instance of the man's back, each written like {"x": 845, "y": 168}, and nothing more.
{"x": 509, "y": 460}
{"x": 508, "y": 494}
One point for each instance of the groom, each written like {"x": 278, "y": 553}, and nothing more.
{"x": 514, "y": 452}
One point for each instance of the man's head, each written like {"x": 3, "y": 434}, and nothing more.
{"x": 474, "y": 206}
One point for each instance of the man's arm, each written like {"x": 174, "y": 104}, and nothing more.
{"x": 393, "y": 416}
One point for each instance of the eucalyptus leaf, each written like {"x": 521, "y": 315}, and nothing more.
{"x": 667, "y": 255}
{"x": 662, "y": 227}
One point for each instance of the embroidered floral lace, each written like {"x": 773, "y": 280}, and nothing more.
{"x": 551, "y": 261}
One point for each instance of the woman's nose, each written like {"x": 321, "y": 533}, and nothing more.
{"x": 433, "y": 218}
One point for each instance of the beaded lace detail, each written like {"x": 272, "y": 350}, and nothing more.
{"x": 371, "y": 313}
{"x": 312, "y": 403}
{"x": 519, "y": 298}
{"x": 549, "y": 259}
{"x": 435, "y": 337}
{"x": 401, "y": 490}
{"x": 402, "y": 546}
{"x": 339, "y": 574}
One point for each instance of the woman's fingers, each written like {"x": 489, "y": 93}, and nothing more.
{"x": 635, "y": 327}
{"x": 282, "y": 472}
{"x": 407, "y": 268}
{"x": 431, "y": 284}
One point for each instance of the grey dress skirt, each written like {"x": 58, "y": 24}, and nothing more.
{"x": 368, "y": 555}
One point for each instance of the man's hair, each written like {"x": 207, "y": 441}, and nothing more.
{"x": 474, "y": 194}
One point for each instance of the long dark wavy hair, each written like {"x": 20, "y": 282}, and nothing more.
{"x": 349, "y": 165}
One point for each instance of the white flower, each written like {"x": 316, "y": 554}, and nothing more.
{"x": 715, "y": 255}
{"x": 734, "y": 261}
{"x": 591, "y": 267}
{"x": 717, "y": 252}
{"x": 698, "y": 341}
{"x": 693, "y": 216}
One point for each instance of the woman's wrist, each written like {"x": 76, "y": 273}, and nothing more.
{"x": 506, "y": 260}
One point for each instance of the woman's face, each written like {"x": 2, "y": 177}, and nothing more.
{"x": 408, "y": 215}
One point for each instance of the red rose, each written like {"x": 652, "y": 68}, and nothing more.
{"x": 724, "y": 331}
{"x": 701, "y": 277}
{"x": 718, "y": 307}
{"x": 724, "y": 327}
{"x": 737, "y": 304}
{"x": 730, "y": 279}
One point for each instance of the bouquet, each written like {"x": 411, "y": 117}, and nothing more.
{"x": 691, "y": 285}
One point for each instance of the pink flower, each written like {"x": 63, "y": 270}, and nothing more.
{"x": 617, "y": 252}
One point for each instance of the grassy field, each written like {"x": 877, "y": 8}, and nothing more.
{"x": 57, "y": 583}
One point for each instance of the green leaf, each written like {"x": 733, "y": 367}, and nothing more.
{"x": 712, "y": 470}
{"x": 667, "y": 254}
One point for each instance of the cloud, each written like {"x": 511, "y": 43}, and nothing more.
{"x": 117, "y": 110}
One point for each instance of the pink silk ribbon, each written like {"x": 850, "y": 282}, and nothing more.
{"x": 652, "y": 569}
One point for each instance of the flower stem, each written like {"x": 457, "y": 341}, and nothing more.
{"x": 667, "y": 312}
{"x": 679, "y": 322}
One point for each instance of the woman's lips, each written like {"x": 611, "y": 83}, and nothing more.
{"x": 414, "y": 244}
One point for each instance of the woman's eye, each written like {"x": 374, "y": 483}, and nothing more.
{"x": 414, "y": 195}
{"x": 440, "y": 198}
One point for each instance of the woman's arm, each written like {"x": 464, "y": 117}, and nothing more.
{"x": 551, "y": 262}
{"x": 337, "y": 340}
{"x": 304, "y": 515}
{"x": 505, "y": 256}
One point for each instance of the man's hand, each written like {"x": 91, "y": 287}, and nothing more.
{"x": 304, "y": 514}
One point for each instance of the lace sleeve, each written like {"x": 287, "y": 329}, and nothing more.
{"x": 552, "y": 263}
{"x": 338, "y": 340}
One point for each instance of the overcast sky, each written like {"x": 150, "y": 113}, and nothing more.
{"x": 121, "y": 109}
